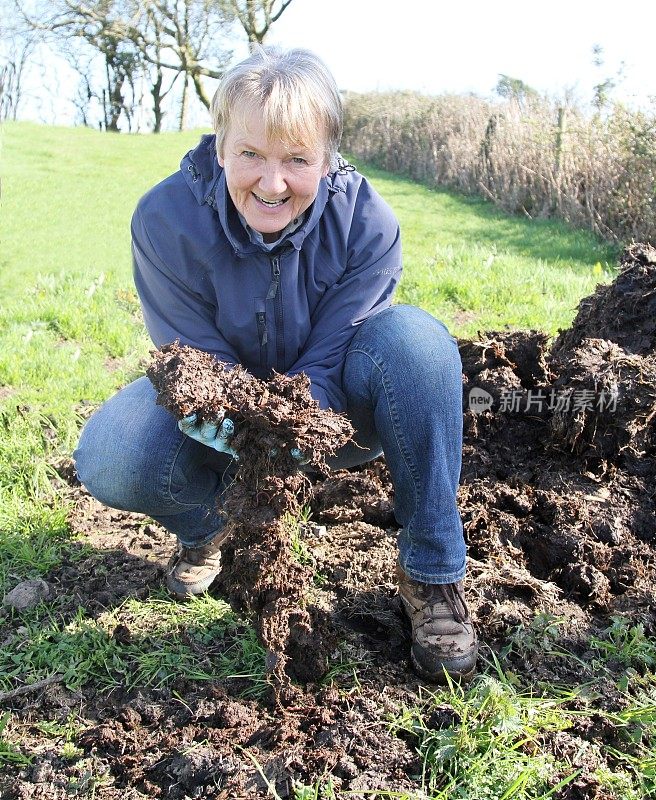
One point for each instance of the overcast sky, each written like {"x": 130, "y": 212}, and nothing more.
{"x": 446, "y": 47}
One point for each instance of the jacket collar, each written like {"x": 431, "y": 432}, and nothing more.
{"x": 206, "y": 179}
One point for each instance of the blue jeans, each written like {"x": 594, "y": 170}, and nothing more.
{"x": 403, "y": 383}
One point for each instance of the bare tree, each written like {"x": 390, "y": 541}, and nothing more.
{"x": 95, "y": 25}
{"x": 191, "y": 35}
{"x": 85, "y": 93}
{"x": 159, "y": 40}
{"x": 257, "y": 16}
{"x": 121, "y": 66}
{"x": 17, "y": 44}
{"x": 157, "y": 37}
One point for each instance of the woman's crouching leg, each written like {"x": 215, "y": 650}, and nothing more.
{"x": 132, "y": 456}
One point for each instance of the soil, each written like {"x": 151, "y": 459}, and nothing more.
{"x": 557, "y": 500}
{"x": 260, "y": 574}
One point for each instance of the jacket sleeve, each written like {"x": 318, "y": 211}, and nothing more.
{"x": 366, "y": 287}
{"x": 171, "y": 308}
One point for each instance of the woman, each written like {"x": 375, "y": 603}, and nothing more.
{"x": 268, "y": 250}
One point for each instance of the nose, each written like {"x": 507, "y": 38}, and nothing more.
{"x": 272, "y": 181}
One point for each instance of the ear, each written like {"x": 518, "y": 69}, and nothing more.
{"x": 221, "y": 161}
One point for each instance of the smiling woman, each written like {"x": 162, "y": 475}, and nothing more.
{"x": 277, "y": 132}
{"x": 267, "y": 250}
{"x": 270, "y": 185}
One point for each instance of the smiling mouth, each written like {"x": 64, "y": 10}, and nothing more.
{"x": 270, "y": 203}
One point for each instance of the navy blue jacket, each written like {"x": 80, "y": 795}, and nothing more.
{"x": 295, "y": 308}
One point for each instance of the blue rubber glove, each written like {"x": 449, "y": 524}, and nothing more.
{"x": 210, "y": 434}
{"x": 299, "y": 456}
{"x": 295, "y": 453}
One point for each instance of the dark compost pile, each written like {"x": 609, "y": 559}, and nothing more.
{"x": 558, "y": 478}
{"x": 271, "y": 417}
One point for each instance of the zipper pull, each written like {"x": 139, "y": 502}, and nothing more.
{"x": 275, "y": 282}
{"x": 261, "y": 327}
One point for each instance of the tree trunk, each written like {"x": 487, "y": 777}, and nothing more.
{"x": 184, "y": 104}
{"x": 200, "y": 91}
{"x": 104, "y": 105}
{"x": 156, "y": 92}
{"x": 115, "y": 104}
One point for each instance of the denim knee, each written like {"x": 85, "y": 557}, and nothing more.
{"x": 125, "y": 449}
{"x": 403, "y": 367}
{"x": 407, "y": 335}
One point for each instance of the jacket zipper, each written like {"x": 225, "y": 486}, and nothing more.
{"x": 260, "y": 316}
{"x": 275, "y": 294}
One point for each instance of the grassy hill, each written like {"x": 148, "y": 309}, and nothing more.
{"x": 68, "y": 194}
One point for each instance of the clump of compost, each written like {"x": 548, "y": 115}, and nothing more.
{"x": 624, "y": 311}
{"x": 559, "y": 475}
{"x": 261, "y": 575}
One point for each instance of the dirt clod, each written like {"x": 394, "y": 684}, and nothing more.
{"x": 27, "y": 594}
{"x": 260, "y": 573}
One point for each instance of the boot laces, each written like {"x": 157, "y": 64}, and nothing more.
{"x": 449, "y": 594}
{"x": 196, "y": 555}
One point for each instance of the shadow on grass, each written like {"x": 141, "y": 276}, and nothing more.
{"x": 109, "y": 624}
{"x": 449, "y": 216}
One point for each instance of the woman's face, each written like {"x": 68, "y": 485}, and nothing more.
{"x": 269, "y": 184}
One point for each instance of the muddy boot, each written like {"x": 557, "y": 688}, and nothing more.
{"x": 192, "y": 570}
{"x": 443, "y": 637}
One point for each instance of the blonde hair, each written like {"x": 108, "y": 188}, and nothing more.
{"x": 298, "y": 96}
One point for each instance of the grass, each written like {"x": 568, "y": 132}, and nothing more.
{"x": 492, "y": 748}
{"x": 71, "y": 335}
{"x": 201, "y": 640}
{"x": 9, "y": 753}
{"x": 488, "y": 741}
{"x": 476, "y": 268}
{"x": 626, "y": 645}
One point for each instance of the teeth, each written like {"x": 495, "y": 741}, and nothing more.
{"x": 271, "y": 202}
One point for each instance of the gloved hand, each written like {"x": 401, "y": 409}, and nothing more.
{"x": 294, "y": 452}
{"x": 299, "y": 456}
{"x": 210, "y": 434}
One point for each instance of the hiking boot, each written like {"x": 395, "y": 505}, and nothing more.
{"x": 443, "y": 637}
{"x": 192, "y": 570}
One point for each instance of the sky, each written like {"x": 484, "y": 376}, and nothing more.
{"x": 436, "y": 47}
{"x": 461, "y": 47}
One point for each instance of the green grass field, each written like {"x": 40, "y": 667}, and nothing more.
{"x": 478, "y": 269}
{"x": 71, "y": 334}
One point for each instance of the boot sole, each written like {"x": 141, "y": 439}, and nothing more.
{"x": 183, "y": 591}
{"x": 440, "y": 677}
